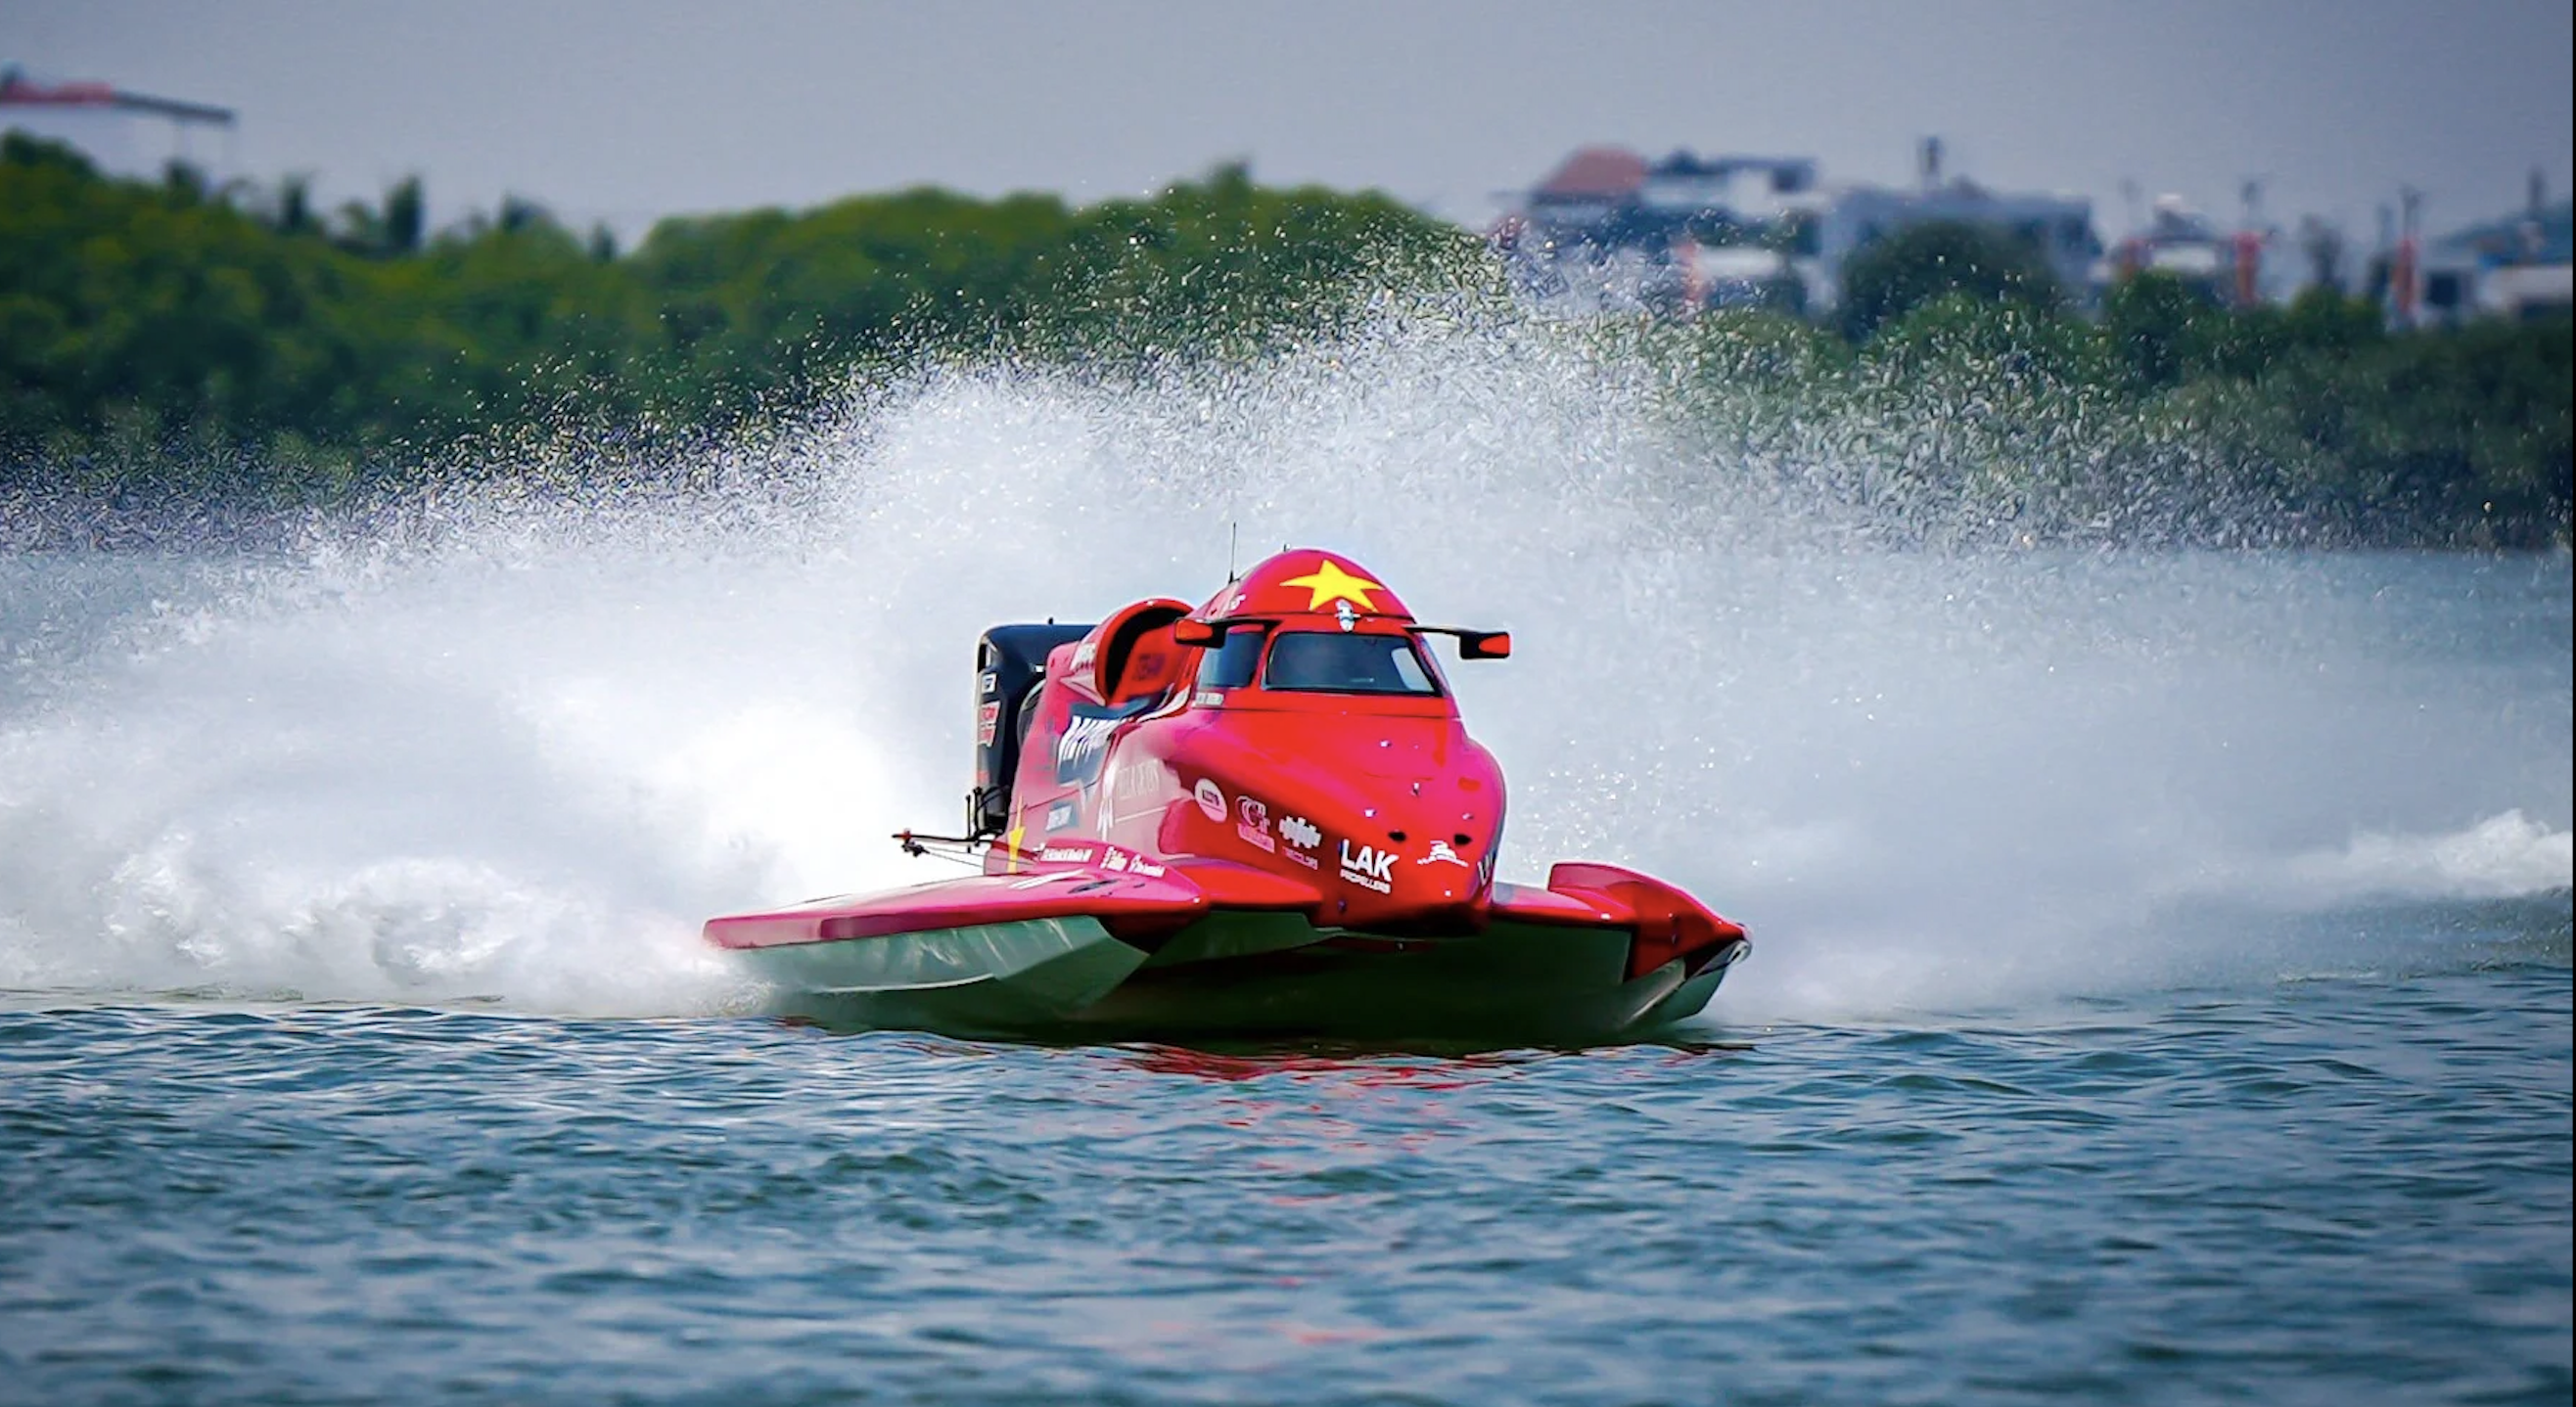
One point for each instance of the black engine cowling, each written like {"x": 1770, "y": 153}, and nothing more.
{"x": 1009, "y": 662}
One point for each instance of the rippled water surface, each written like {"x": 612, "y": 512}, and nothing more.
{"x": 2337, "y": 1188}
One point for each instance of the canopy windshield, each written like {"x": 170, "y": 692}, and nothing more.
{"x": 1330, "y": 662}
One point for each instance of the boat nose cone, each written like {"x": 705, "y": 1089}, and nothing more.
{"x": 1430, "y": 870}
{"x": 1419, "y": 852}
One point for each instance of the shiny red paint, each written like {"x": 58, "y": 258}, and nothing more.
{"x": 1150, "y": 792}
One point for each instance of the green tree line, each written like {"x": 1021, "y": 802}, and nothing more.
{"x": 165, "y": 327}
{"x": 1961, "y": 395}
{"x": 238, "y": 343}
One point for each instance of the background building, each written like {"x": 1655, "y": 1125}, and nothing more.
{"x": 2058, "y": 228}
{"x": 2516, "y": 266}
{"x": 1608, "y": 230}
{"x": 134, "y": 135}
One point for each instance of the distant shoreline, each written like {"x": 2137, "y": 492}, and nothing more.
{"x": 187, "y": 362}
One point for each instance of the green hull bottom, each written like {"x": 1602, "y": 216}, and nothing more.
{"x": 1241, "y": 975}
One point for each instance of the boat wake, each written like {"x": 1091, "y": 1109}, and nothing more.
{"x": 496, "y": 743}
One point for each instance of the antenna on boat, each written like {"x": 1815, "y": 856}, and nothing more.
{"x": 1233, "y": 531}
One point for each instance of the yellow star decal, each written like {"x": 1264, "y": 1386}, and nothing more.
{"x": 1330, "y": 583}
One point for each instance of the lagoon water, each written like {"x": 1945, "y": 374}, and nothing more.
{"x": 2336, "y": 1188}
{"x": 2161, "y": 989}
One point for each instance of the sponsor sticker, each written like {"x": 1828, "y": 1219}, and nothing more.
{"x": 1067, "y": 854}
{"x": 1084, "y": 742}
{"x": 1254, "y": 828}
{"x": 988, "y": 721}
{"x": 988, "y": 683}
{"x": 1128, "y": 861}
{"x": 1211, "y": 801}
{"x": 1059, "y": 815}
{"x": 1342, "y": 616}
{"x": 1085, "y": 653}
{"x": 1301, "y": 857}
{"x": 1208, "y": 698}
{"x": 1441, "y": 854}
{"x": 1300, "y": 832}
{"x": 1368, "y": 867}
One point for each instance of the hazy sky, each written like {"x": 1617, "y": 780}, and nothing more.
{"x": 626, "y": 111}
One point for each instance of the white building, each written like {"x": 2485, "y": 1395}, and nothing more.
{"x": 133, "y": 135}
{"x": 2514, "y": 267}
{"x": 2058, "y": 228}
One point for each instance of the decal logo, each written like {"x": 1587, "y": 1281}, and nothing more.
{"x": 1085, "y": 653}
{"x": 1342, "y": 615}
{"x": 1441, "y": 854}
{"x": 1301, "y": 857}
{"x": 1330, "y": 583}
{"x": 1255, "y": 828}
{"x": 1208, "y": 698}
{"x": 1300, "y": 832}
{"x": 1369, "y": 868}
{"x": 1211, "y": 801}
{"x": 1085, "y": 742}
{"x": 1113, "y": 858}
{"x": 988, "y": 720}
{"x": 1067, "y": 854}
{"x": 988, "y": 683}
{"x": 1059, "y": 816}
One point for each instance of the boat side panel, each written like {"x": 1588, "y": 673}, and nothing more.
{"x": 1235, "y": 934}
{"x": 1024, "y": 955}
{"x": 1037, "y": 999}
{"x": 1526, "y": 980}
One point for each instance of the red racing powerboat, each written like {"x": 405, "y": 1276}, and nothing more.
{"x": 1260, "y": 817}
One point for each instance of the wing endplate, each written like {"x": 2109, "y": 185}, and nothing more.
{"x": 1667, "y": 923}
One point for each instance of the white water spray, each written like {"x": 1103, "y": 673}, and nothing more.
{"x": 519, "y": 750}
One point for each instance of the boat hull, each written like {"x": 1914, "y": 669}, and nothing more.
{"x": 1244, "y": 976}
